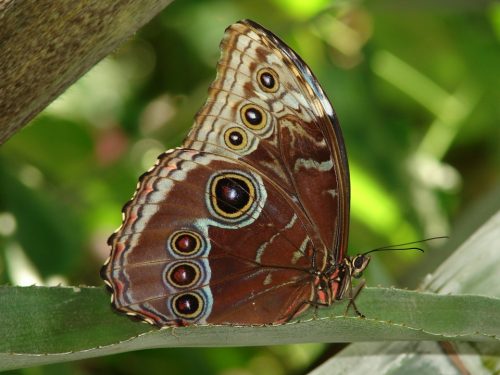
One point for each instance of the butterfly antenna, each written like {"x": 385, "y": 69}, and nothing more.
{"x": 400, "y": 247}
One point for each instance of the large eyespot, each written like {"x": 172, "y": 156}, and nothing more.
{"x": 185, "y": 243}
{"x": 231, "y": 195}
{"x": 183, "y": 274}
{"x": 268, "y": 80}
{"x": 187, "y": 305}
{"x": 253, "y": 116}
{"x": 235, "y": 138}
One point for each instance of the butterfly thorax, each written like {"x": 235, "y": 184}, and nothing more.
{"x": 335, "y": 282}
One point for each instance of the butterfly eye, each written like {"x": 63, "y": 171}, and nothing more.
{"x": 359, "y": 264}
{"x": 268, "y": 80}
{"x": 231, "y": 195}
{"x": 187, "y": 305}
{"x": 235, "y": 138}
{"x": 253, "y": 116}
{"x": 183, "y": 275}
{"x": 185, "y": 243}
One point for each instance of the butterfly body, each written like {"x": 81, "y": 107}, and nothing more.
{"x": 247, "y": 222}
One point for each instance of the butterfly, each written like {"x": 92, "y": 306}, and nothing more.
{"x": 247, "y": 222}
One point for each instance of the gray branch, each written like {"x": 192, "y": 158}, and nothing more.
{"x": 47, "y": 45}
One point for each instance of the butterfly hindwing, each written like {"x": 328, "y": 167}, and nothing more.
{"x": 181, "y": 238}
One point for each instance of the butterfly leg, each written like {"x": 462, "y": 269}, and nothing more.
{"x": 353, "y": 295}
{"x": 300, "y": 307}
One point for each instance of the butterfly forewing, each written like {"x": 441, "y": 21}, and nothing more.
{"x": 298, "y": 144}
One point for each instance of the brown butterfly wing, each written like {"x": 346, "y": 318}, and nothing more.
{"x": 191, "y": 252}
{"x": 250, "y": 268}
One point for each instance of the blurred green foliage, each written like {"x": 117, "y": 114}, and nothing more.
{"x": 415, "y": 85}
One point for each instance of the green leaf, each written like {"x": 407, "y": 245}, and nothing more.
{"x": 53, "y": 324}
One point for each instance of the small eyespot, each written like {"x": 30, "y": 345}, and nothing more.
{"x": 187, "y": 305}
{"x": 253, "y": 116}
{"x": 231, "y": 195}
{"x": 185, "y": 242}
{"x": 235, "y": 138}
{"x": 183, "y": 275}
{"x": 268, "y": 80}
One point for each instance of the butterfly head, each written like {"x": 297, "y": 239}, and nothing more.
{"x": 358, "y": 264}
